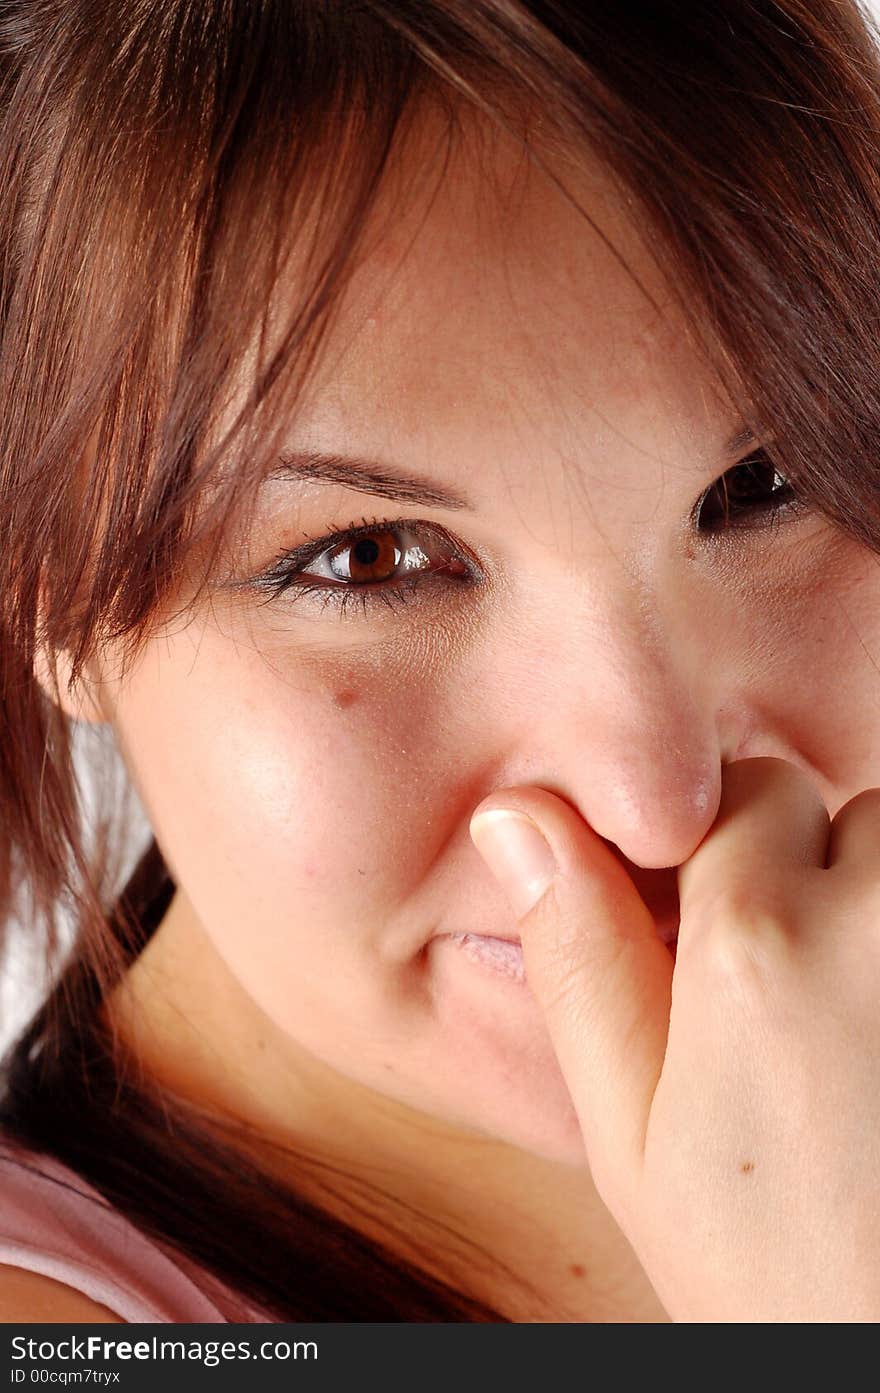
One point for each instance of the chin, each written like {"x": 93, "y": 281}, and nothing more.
{"x": 486, "y": 1063}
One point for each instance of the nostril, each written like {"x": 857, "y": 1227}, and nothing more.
{"x": 657, "y": 887}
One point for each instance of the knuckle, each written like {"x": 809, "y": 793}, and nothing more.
{"x": 737, "y": 962}
{"x": 738, "y": 932}
{"x": 867, "y": 802}
{"x": 741, "y": 904}
{"x": 743, "y": 776}
{"x": 861, "y": 811}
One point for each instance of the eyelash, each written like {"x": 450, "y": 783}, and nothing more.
{"x": 283, "y": 575}
{"x": 779, "y": 507}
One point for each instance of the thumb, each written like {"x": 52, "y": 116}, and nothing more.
{"x": 595, "y": 962}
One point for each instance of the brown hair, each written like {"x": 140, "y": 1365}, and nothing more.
{"x": 151, "y": 159}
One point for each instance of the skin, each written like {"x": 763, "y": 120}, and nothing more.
{"x": 729, "y": 1105}
{"x": 310, "y": 776}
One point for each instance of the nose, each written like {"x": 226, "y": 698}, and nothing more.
{"x": 652, "y": 792}
{"x": 637, "y": 747}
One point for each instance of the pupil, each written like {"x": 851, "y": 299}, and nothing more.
{"x": 366, "y": 551}
{"x": 756, "y": 479}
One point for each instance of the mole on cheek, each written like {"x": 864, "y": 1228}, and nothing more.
{"x": 346, "y": 697}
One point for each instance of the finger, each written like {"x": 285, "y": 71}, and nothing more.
{"x": 595, "y": 963}
{"x": 771, "y": 820}
{"x": 854, "y": 839}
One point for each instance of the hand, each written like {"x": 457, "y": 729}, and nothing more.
{"x": 729, "y": 1097}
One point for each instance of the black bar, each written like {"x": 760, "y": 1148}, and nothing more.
{"x": 286, "y": 1356}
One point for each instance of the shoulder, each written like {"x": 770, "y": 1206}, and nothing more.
{"x": 64, "y": 1247}
{"x": 30, "y": 1297}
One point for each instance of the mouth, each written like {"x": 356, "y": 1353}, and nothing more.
{"x": 501, "y": 955}
{"x": 658, "y": 889}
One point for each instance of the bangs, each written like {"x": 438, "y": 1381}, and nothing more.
{"x": 169, "y": 174}
{"x": 154, "y": 245}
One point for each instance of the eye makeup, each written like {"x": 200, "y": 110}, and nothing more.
{"x": 387, "y": 565}
{"x": 414, "y": 562}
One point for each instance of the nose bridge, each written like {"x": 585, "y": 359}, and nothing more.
{"x": 634, "y": 745}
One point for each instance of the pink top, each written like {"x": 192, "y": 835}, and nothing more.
{"x": 68, "y": 1231}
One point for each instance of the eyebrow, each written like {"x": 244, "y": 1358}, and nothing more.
{"x": 736, "y": 442}
{"x": 375, "y": 477}
{"x": 368, "y": 476}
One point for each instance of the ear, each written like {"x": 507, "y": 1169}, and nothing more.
{"x": 85, "y": 702}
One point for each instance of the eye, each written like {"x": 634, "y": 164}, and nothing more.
{"x": 382, "y": 562}
{"x": 751, "y": 495}
{"x": 372, "y": 557}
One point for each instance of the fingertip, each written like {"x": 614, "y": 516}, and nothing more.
{"x": 516, "y": 852}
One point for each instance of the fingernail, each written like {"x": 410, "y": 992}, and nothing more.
{"x": 516, "y": 853}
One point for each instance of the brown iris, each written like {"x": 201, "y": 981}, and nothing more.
{"x": 374, "y": 557}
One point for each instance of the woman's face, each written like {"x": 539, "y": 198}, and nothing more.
{"x": 310, "y": 770}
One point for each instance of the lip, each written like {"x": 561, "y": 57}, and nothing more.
{"x": 667, "y": 929}
{"x": 502, "y": 954}
{"x": 658, "y": 888}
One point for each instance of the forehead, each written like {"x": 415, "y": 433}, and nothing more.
{"x": 485, "y": 301}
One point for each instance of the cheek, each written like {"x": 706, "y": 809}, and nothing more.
{"x": 808, "y": 646}
{"x": 288, "y": 796}
{"x": 309, "y": 808}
